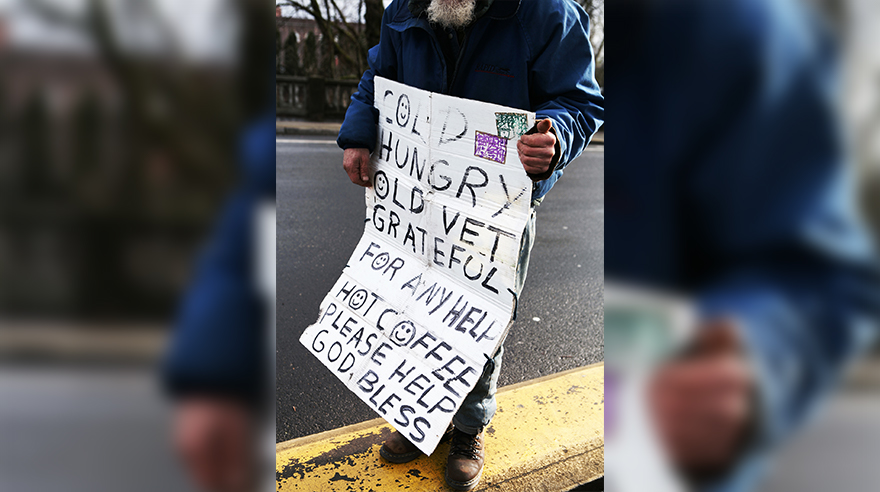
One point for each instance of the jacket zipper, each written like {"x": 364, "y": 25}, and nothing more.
{"x": 467, "y": 36}
{"x": 438, "y": 51}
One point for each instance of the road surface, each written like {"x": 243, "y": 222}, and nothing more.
{"x": 86, "y": 430}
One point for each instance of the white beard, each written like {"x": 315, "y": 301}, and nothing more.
{"x": 451, "y": 13}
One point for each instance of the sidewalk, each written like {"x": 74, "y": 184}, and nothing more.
{"x": 548, "y": 435}
{"x": 309, "y": 128}
{"x": 331, "y": 129}
{"x": 51, "y": 342}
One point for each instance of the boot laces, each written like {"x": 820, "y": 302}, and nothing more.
{"x": 464, "y": 445}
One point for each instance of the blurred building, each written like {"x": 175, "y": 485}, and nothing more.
{"x": 297, "y": 26}
{"x": 304, "y": 35}
{"x": 112, "y": 165}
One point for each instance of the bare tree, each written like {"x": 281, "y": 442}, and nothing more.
{"x": 310, "y": 55}
{"x": 596, "y": 10}
{"x": 349, "y": 28}
{"x": 373, "y": 21}
{"x": 291, "y": 56}
{"x": 147, "y": 83}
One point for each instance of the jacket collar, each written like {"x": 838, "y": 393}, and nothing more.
{"x": 503, "y": 9}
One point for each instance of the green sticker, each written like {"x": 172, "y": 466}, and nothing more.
{"x": 511, "y": 125}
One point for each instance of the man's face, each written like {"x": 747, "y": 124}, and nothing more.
{"x": 451, "y": 13}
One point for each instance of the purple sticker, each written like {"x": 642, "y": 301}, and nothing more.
{"x": 490, "y": 147}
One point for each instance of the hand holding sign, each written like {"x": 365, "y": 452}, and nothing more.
{"x": 357, "y": 164}
{"x": 703, "y": 403}
{"x": 536, "y": 150}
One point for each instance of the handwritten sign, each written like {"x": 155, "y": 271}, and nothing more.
{"x": 429, "y": 292}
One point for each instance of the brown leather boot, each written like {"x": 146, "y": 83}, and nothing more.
{"x": 465, "y": 464}
{"x": 398, "y": 449}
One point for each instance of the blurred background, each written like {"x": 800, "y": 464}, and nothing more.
{"x": 737, "y": 119}
{"x": 120, "y": 140}
{"x": 115, "y": 150}
{"x": 834, "y": 451}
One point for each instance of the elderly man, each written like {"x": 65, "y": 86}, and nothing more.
{"x": 502, "y": 52}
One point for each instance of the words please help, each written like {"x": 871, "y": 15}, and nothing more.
{"x": 429, "y": 293}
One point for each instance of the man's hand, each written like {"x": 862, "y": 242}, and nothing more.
{"x": 215, "y": 438}
{"x": 357, "y": 164}
{"x": 536, "y": 150}
{"x": 702, "y": 404}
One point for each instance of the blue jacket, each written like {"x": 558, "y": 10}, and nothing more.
{"x": 219, "y": 345}
{"x": 728, "y": 180}
{"x": 530, "y": 55}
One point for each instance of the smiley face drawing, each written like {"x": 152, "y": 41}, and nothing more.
{"x": 357, "y": 299}
{"x": 380, "y": 184}
{"x": 403, "y": 110}
{"x": 403, "y": 333}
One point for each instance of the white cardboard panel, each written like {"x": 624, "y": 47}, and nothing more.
{"x": 427, "y": 294}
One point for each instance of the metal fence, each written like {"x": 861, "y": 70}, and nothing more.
{"x": 315, "y": 98}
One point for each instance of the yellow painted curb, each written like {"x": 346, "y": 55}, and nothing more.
{"x": 548, "y": 435}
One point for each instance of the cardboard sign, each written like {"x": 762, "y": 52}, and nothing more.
{"x": 429, "y": 292}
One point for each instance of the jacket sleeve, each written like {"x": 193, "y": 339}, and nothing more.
{"x": 774, "y": 229}
{"x": 359, "y": 127}
{"x": 218, "y": 344}
{"x": 564, "y": 88}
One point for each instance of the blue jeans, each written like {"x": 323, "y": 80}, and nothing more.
{"x": 479, "y": 405}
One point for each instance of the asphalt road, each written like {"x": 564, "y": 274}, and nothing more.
{"x": 320, "y": 219}
{"x": 837, "y": 451}
{"x": 86, "y": 430}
